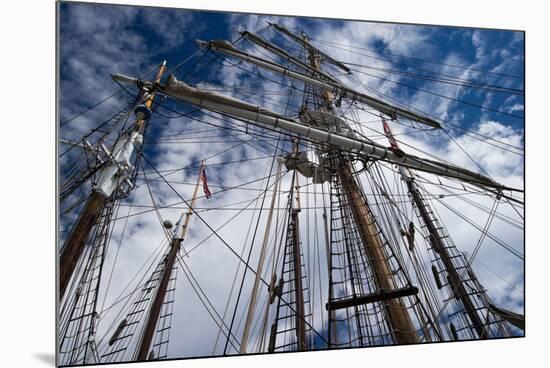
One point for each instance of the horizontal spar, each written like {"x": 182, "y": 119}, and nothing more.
{"x": 379, "y": 296}
{"x": 336, "y": 88}
{"x": 265, "y": 118}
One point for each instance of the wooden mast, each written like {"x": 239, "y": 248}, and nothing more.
{"x": 297, "y": 261}
{"x": 398, "y": 318}
{"x": 175, "y": 245}
{"x": 455, "y": 281}
{"x": 75, "y": 243}
{"x": 293, "y": 260}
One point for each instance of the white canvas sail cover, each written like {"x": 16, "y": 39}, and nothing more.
{"x": 299, "y": 161}
{"x": 177, "y": 88}
{"x": 328, "y": 121}
{"x": 119, "y": 169}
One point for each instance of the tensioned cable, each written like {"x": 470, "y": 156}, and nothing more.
{"x": 180, "y": 202}
{"x": 216, "y": 164}
{"x": 484, "y": 232}
{"x": 116, "y": 258}
{"x": 455, "y": 82}
{"x": 444, "y": 96}
{"x": 418, "y": 59}
{"x": 469, "y": 132}
{"x": 89, "y": 108}
{"x": 453, "y": 126}
{"x": 185, "y": 269}
{"x": 121, "y": 297}
{"x": 158, "y": 251}
{"x": 493, "y": 237}
{"x": 102, "y": 101}
{"x": 468, "y": 155}
{"x": 240, "y": 211}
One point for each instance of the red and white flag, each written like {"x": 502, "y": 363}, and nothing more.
{"x": 207, "y": 193}
{"x": 389, "y": 135}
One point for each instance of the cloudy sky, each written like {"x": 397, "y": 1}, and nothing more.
{"x": 483, "y": 131}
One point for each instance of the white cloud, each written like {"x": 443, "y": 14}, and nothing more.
{"x": 515, "y": 107}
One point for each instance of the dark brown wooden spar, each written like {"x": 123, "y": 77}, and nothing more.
{"x": 75, "y": 243}
{"x": 379, "y": 296}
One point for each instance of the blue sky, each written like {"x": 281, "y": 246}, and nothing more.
{"x": 99, "y": 40}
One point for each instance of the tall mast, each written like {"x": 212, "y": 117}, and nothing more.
{"x": 75, "y": 243}
{"x": 436, "y": 240}
{"x": 398, "y": 318}
{"x": 175, "y": 245}
{"x": 297, "y": 257}
{"x": 291, "y": 316}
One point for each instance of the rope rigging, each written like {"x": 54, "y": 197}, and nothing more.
{"x": 424, "y": 60}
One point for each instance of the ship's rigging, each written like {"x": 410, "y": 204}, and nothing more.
{"x": 345, "y": 246}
